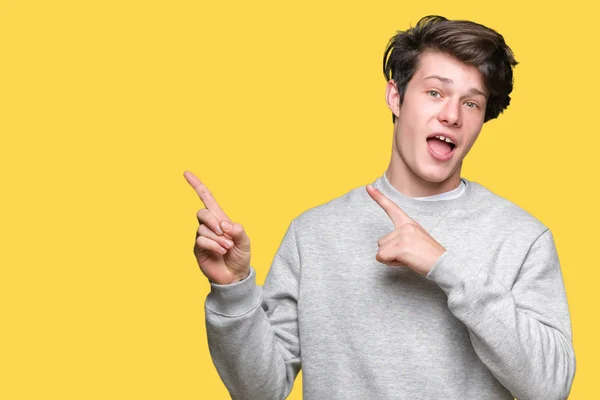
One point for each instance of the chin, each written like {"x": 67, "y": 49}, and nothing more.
{"x": 436, "y": 175}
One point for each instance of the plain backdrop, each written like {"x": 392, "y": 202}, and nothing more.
{"x": 277, "y": 107}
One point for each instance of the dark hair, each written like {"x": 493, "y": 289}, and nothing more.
{"x": 468, "y": 42}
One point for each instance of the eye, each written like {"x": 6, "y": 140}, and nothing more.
{"x": 433, "y": 91}
{"x": 472, "y": 105}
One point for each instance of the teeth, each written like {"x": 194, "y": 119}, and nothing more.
{"x": 444, "y": 139}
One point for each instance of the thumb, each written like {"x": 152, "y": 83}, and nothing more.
{"x": 237, "y": 233}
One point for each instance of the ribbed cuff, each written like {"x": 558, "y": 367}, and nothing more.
{"x": 234, "y": 299}
{"x": 450, "y": 272}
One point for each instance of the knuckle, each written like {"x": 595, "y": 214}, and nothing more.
{"x": 202, "y": 230}
{"x": 400, "y": 252}
{"x": 408, "y": 227}
{"x": 209, "y": 233}
{"x": 204, "y": 215}
{"x": 205, "y": 243}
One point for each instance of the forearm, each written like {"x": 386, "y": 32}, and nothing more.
{"x": 245, "y": 348}
{"x": 530, "y": 353}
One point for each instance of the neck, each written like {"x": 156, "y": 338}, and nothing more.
{"x": 404, "y": 180}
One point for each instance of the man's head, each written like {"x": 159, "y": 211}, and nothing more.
{"x": 468, "y": 42}
{"x": 445, "y": 78}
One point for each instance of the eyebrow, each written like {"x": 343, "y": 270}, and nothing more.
{"x": 448, "y": 80}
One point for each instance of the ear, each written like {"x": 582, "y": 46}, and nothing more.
{"x": 392, "y": 97}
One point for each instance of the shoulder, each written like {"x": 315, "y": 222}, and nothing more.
{"x": 503, "y": 212}
{"x": 352, "y": 204}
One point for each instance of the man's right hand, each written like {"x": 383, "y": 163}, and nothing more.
{"x": 222, "y": 247}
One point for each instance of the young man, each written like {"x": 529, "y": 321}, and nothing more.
{"x": 423, "y": 285}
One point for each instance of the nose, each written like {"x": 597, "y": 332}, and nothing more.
{"x": 449, "y": 114}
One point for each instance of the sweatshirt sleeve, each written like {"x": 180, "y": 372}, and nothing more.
{"x": 252, "y": 331}
{"x": 522, "y": 334}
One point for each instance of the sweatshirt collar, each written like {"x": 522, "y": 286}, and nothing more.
{"x": 428, "y": 207}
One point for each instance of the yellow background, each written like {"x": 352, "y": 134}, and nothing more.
{"x": 277, "y": 107}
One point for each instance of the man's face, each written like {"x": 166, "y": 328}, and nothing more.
{"x": 444, "y": 97}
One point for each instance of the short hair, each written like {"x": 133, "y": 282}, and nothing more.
{"x": 469, "y": 42}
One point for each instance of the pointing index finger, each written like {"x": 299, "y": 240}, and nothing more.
{"x": 398, "y": 216}
{"x": 206, "y": 196}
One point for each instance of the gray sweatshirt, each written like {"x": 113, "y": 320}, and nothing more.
{"x": 489, "y": 321}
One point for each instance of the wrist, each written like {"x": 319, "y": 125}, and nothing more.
{"x": 241, "y": 277}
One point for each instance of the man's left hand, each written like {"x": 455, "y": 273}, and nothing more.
{"x": 409, "y": 244}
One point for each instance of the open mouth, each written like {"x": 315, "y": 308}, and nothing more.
{"x": 440, "y": 147}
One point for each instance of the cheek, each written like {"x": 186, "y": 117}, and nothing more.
{"x": 405, "y": 134}
{"x": 418, "y": 108}
{"x": 471, "y": 142}
{"x": 411, "y": 122}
